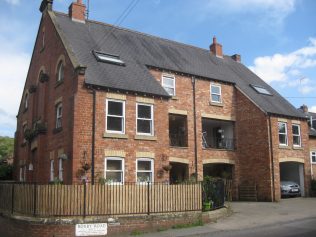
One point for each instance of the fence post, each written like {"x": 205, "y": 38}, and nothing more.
{"x": 148, "y": 199}
{"x": 35, "y": 199}
{"x": 12, "y": 199}
{"x": 84, "y": 198}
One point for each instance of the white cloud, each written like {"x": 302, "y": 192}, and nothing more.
{"x": 271, "y": 12}
{"x": 288, "y": 67}
{"x": 13, "y": 2}
{"x": 312, "y": 109}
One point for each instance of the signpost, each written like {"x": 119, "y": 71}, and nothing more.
{"x": 97, "y": 229}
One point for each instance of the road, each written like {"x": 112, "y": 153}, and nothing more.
{"x": 287, "y": 218}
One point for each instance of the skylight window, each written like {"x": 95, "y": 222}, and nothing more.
{"x": 108, "y": 58}
{"x": 261, "y": 90}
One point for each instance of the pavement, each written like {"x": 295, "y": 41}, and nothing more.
{"x": 254, "y": 215}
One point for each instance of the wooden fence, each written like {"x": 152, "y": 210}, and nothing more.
{"x": 97, "y": 200}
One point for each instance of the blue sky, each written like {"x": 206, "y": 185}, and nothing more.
{"x": 276, "y": 39}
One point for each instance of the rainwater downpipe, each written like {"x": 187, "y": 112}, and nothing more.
{"x": 93, "y": 136}
{"x": 272, "y": 159}
{"x": 195, "y": 133}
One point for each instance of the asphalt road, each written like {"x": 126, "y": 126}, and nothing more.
{"x": 287, "y": 218}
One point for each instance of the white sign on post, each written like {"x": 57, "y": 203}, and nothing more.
{"x": 97, "y": 229}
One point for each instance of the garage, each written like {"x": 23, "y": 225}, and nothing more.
{"x": 293, "y": 171}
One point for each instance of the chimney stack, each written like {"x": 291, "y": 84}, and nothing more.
{"x": 46, "y": 5}
{"x": 77, "y": 11}
{"x": 216, "y": 49}
{"x": 304, "y": 108}
{"x": 236, "y": 57}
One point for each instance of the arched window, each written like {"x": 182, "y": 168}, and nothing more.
{"x": 26, "y": 101}
{"x": 60, "y": 72}
{"x": 59, "y": 115}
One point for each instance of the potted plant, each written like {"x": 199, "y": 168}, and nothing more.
{"x": 43, "y": 78}
{"x": 32, "y": 89}
{"x": 86, "y": 167}
{"x": 40, "y": 128}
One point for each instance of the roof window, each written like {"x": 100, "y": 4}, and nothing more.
{"x": 108, "y": 58}
{"x": 261, "y": 90}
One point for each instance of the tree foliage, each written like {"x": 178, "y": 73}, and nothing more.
{"x": 6, "y": 153}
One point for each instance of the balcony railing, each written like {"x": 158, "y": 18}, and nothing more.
{"x": 218, "y": 143}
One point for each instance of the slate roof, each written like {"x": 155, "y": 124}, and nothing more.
{"x": 139, "y": 51}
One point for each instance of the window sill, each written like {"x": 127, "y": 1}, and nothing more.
{"x": 217, "y": 104}
{"x": 174, "y": 98}
{"x": 284, "y": 147}
{"x": 58, "y": 83}
{"x": 57, "y": 130}
{"x": 144, "y": 137}
{"x": 218, "y": 149}
{"x": 115, "y": 135}
{"x": 298, "y": 148}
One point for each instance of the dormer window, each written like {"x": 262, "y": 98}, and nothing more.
{"x": 60, "y": 72}
{"x": 108, "y": 58}
{"x": 169, "y": 84}
{"x": 261, "y": 90}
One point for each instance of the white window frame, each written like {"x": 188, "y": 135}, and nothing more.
{"x": 22, "y": 173}
{"x": 151, "y": 169}
{"x": 114, "y": 116}
{"x": 286, "y": 134}
{"x": 52, "y": 172}
{"x": 218, "y": 94}
{"x": 313, "y": 154}
{"x": 297, "y": 135}
{"x": 123, "y": 169}
{"x": 59, "y": 116}
{"x": 60, "y": 169}
{"x": 60, "y": 71}
{"x": 172, "y": 77}
{"x": 151, "y": 119}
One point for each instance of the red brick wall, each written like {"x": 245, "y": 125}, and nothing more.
{"x": 42, "y": 105}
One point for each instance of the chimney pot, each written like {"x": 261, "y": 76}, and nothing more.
{"x": 216, "y": 49}
{"x": 77, "y": 11}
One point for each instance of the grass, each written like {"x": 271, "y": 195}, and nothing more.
{"x": 137, "y": 232}
{"x": 199, "y": 222}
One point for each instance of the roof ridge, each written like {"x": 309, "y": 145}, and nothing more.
{"x": 139, "y": 33}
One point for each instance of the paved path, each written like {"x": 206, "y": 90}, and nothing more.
{"x": 252, "y": 216}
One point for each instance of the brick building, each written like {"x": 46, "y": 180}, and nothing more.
{"x": 106, "y": 102}
{"x": 312, "y": 137}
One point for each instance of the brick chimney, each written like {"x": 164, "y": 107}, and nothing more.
{"x": 46, "y": 5}
{"x": 77, "y": 11}
{"x": 236, "y": 57}
{"x": 304, "y": 108}
{"x": 216, "y": 49}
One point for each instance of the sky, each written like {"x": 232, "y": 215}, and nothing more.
{"x": 275, "y": 38}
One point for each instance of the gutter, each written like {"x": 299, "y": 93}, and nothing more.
{"x": 93, "y": 135}
{"x": 195, "y": 132}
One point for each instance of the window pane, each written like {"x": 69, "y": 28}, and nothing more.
{"x": 114, "y": 176}
{"x": 170, "y": 91}
{"x": 143, "y": 177}
{"x": 144, "y": 111}
{"x": 114, "y": 165}
{"x": 216, "y": 98}
{"x": 215, "y": 89}
{"x": 144, "y": 165}
{"x": 168, "y": 81}
{"x": 281, "y": 127}
{"x": 295, "y": 129}
{"x": 296, "y": 140}
{"x": 282, "y": 139}
{"x": 115, "y": 108}
{"x": 114, "y": 124}
{"x": 143, "y": 126}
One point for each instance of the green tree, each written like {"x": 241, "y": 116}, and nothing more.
{"x": 6, "y": 153}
